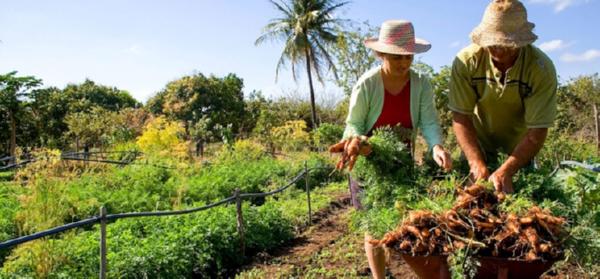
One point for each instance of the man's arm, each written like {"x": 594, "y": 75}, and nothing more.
{"x": 529, "y": 146}
{"x": 467, "y": 139}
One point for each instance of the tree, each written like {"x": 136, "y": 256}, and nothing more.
{"x": 441, "y": 87}
{"x": 195, "y": 97}
{"x": 352, "y": 57}
{"x": 49, "y": 108}
{"x": 12, "y": 90}
{"x": 587, "y": 88}
{"x": 83, "y": 97}
{"x": 307, "y": 28}
{"x": 90, "y": 128}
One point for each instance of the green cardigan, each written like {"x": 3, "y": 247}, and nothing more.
{"x": 366, "y": 103}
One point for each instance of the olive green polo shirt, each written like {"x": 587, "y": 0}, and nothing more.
{"x": 503, "y": 111}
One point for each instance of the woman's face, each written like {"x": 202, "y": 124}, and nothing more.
{"x": 397, "y": 64}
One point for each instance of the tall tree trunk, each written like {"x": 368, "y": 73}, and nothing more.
{"x": 13, "y": 136}
{"x": 597, "y": 118}
{"x": 313, "y": 109}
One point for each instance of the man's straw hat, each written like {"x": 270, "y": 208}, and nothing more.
{"x": 504, "y": 23}
{"x": 397, "y": 37}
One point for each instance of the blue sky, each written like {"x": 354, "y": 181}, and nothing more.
{"x": 139, "y": 46}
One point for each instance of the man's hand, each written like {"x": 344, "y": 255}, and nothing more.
{"x": 502, "y": 181}
{"x": 467, "y": 139}
{"x": 350, "y": 149}
{"x": 442, "y": 157}
{"x": 479, "y": 171}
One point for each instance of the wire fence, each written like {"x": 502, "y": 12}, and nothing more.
{"x": 103, "y": 217}
{"x": 125, "y": 158}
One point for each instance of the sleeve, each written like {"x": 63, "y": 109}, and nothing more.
{"x": 540, "y": 105}
{"x": 428, "y": 120}
{"x": 357, "y": 112}
{"x": 461, "y": 97}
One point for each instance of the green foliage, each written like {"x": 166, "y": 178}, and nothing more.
{"x": 204, "y": 244}
{"x": 86, "y": 95}
{"x": 293, "y": 204}
{"x": 219, "y": 180}
{"x": 327, "y": 134}
{"x": 12, "y": 91}
{"x": 320, "y": 171}
{"x": 89, "y": 128}
{"x": 192, "y": 98}
{"x": 376, "y": 221}
{"x": 573, "y": 194}
{"x": 516, "y": 204}
{"x": 242, "y": 150}
{"x": 439, "y": 198}
{"x": 292, "y": 136}
{"x": 164, "y": 138}
{"x": 560, "y": 146}
{"x": 390, "y": 158}
{"x": 462, "y": 265}
{"x": 440, "y": 82}
{"x": 352, "y": 56}
{"x": 9, "y": 206}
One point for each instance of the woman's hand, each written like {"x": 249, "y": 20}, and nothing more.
{"x": 350, "y": 149}
{"x": 442, "y": 157}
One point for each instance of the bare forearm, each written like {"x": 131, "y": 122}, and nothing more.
{"x": 467, "y": 138}
{"x": 529, "y": 146}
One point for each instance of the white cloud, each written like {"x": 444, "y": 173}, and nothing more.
{"x": 559, "y": 5}
{"x": 589, "y": 55}
{"x": 554, "y": 45}
{"x": 455, "y": 44}
{"x": 135, "y": 49}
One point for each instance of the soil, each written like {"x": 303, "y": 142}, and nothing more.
{"x": 327, "y": 249}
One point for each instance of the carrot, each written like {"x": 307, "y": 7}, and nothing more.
{"x": 405, "y": 245}
{"x": 351, "y": 162}
{"x": 414, "y": 231}
{"x": 526, "y": 220}
{"x": 338, "y": 147}
{"x": 365, "y": 149}
{"x": 531, "y": 256}
{"x": 532, "y": 237}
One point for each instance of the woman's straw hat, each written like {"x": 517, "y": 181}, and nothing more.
{"x": 504, "y": 23}
{"x": 397, "y": 37}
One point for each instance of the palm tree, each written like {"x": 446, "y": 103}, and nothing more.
{"x": 307, "y": 28}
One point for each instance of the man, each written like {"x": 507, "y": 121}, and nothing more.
{"x": 502, "y": 94}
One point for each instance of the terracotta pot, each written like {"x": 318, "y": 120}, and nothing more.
{"x": 436, "y": 266}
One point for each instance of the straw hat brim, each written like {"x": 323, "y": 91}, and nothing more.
{"x": 485, "y": 37}
{"x": 419, "y": 47}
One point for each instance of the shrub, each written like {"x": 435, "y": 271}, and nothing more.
{"x": 292, "y": 136}
{"x": 204, "y": 244}
{"x": 163, "y": 138}
{"x": 327, "y": 134}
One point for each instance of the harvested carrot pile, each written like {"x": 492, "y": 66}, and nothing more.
{"x": 476, "y": 221}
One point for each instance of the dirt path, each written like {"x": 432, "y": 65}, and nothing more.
{"x": 328, "y": 249}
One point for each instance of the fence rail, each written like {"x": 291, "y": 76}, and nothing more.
{"x": 94, "y": 156}
{"x": 103, "y": 218}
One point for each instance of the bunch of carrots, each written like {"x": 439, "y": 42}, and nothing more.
{"x": 476, "y": 221}
{"x": 350, "y": 148}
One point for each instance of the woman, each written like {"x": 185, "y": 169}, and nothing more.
{"x": 391, "y": 94}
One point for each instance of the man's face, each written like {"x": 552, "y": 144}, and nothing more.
{"x": 503, "y": 54}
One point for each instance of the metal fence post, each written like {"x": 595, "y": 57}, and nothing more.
{"x": 102, "y": 242}
{"x": 240, "y": 221}
{"x": 307, "y": 192}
